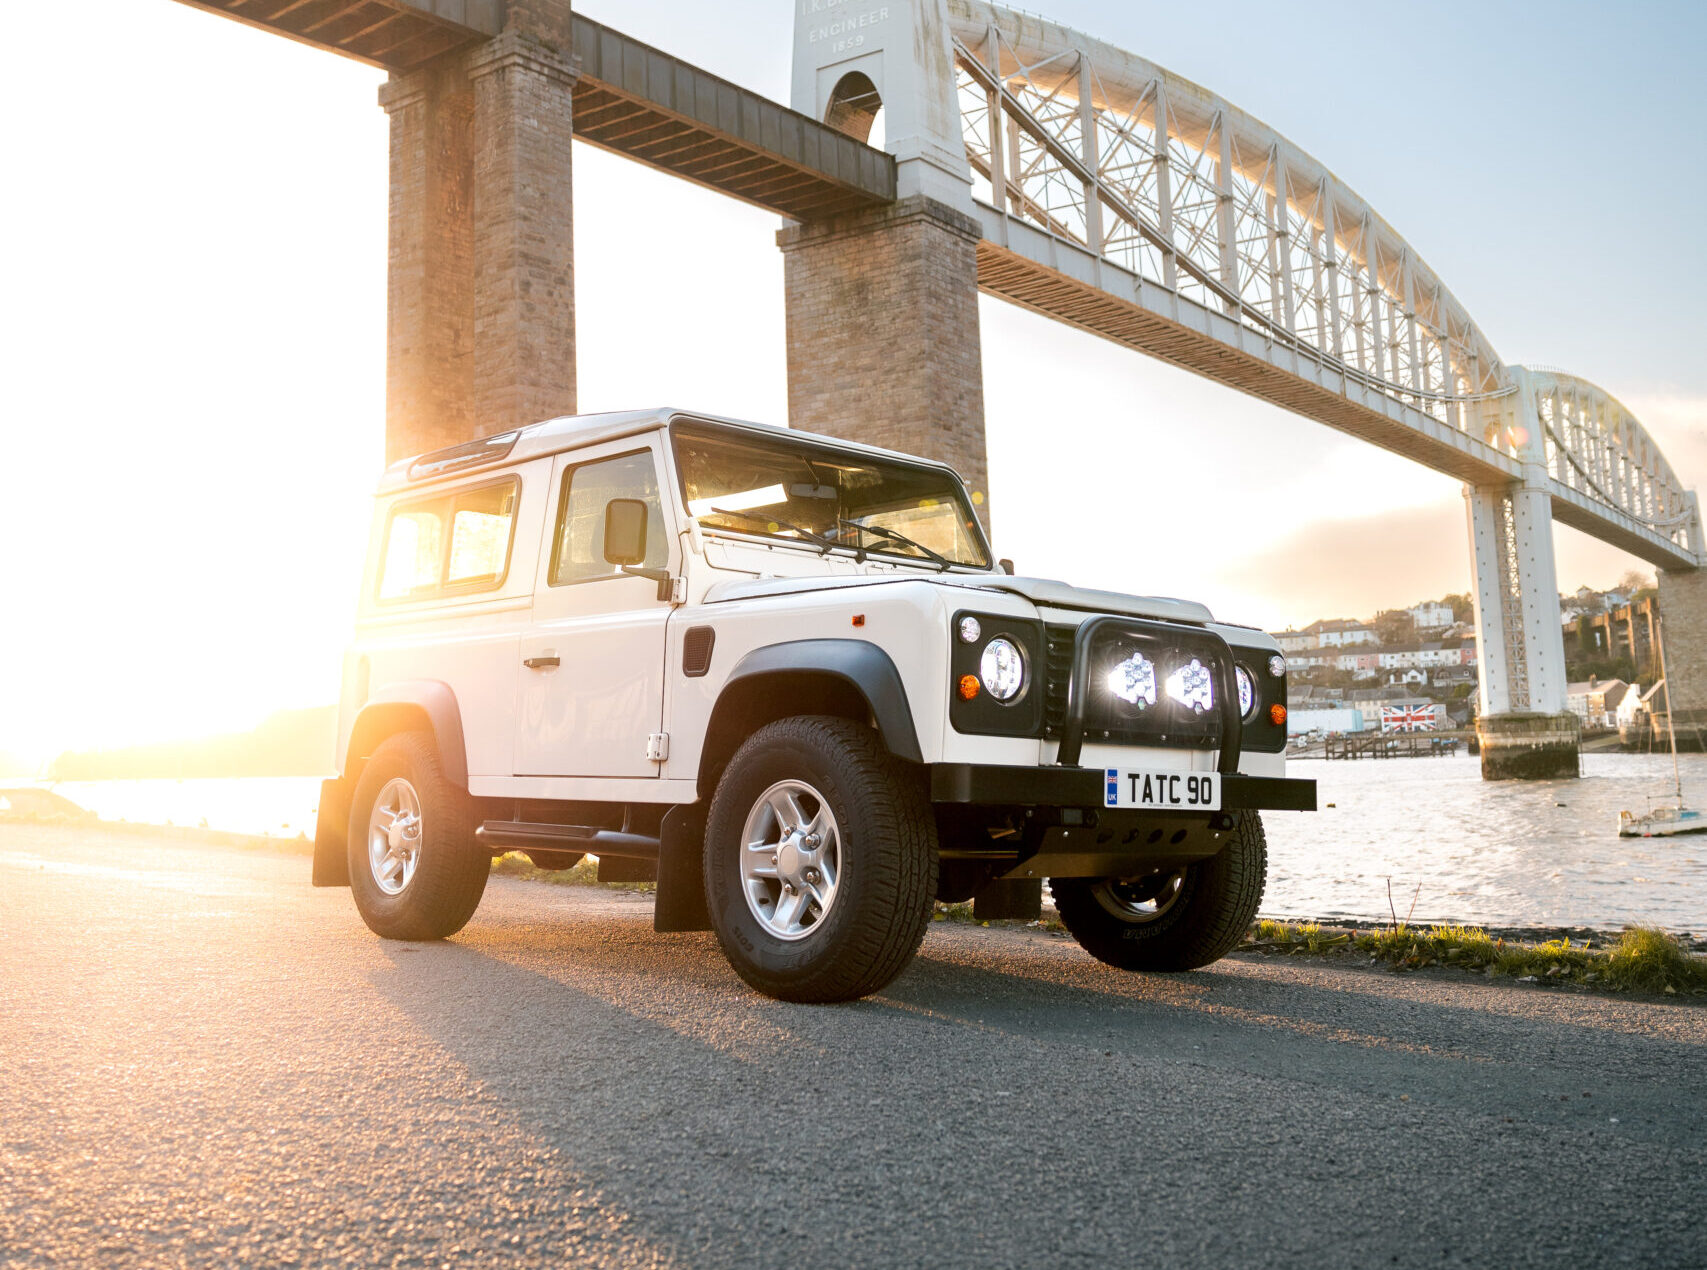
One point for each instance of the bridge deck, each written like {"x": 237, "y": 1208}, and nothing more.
{"x": 674, "y": 116}
{"x": 1063, "y": 281}
{"x": 631, "y": 98}
{"x": 397, "y": 35}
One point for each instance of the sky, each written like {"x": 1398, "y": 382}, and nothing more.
{"x": 193, "y": 327}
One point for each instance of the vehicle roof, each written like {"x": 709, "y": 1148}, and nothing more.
{"x": 569, "y": 432}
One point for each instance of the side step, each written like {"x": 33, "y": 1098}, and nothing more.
{"x": 519, "y": 835}
{"x": 680, "y": 905}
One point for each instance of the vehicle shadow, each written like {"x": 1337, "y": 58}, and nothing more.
{"x": 704, "y": 1112}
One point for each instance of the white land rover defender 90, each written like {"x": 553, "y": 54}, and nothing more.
{"x": 781, "y": 674}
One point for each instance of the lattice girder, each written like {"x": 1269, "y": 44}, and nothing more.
{"x": 1109, "y": 153}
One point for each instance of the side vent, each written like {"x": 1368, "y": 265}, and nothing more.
{"x": 696, "y": 650}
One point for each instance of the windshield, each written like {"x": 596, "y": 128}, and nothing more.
{"x": 824, "y": 497}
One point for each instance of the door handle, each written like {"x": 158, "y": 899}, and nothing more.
{"x": 541, "y": 663}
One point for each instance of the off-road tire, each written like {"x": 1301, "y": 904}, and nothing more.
{"x": 452, "y": 870}
{"x": 1217, "y": 901}
{"x": 888, "y": 861}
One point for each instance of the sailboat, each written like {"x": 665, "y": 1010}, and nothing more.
{"x": 1667, "y": 821}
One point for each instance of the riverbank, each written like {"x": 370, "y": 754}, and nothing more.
{"x": 1635, "y": 959}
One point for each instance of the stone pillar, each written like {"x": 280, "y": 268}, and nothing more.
{"x": 900, "y": 52}
{"x": 1523, "y": 727}
{"x": 883, "y": 343}
{"x": 1683, "y": 635}
{"x": 480, "y": 328}
{"x": 882, "y": 306}
{"x": 524, "y": 250}
{"x": 429, "y": 311}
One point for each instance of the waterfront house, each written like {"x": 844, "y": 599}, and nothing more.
{"x": 1643, "y": 713}
{"x": 1413, "y": 714}
{"x": 1447, "y": 676}
{"x": 1630, "y": 707}
{"x": 1324, "y": 719}
{"x": 1595, "y": 701}
{"x": 1362, "y": 663}
{"x": 1341, "y": 633}
{"x": 1431, "y": 616}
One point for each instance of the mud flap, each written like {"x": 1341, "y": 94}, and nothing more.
{"x": 681, "y": 874}
{"x": 331, "y": 835}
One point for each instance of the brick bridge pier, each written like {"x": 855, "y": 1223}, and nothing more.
{"x": 480, "y": 324}
{"x": 881, "y": 282}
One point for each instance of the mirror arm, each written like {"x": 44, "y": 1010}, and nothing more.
{"x": 663, "y": 577}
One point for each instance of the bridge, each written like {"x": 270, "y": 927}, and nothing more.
{"x": 1028, "y": 161}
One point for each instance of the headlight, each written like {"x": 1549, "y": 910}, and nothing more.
{"x": 1134, "y": 681}
{"x": 1277, "y": 665}
{"x": 1247, "y": 691}
{"x": 1002, "y": 668}
{"x": 1191, "y": 685}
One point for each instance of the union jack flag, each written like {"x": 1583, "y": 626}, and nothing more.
{"x": 1407, "y": 718}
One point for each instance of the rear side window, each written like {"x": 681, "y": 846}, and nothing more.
{"x": 453, "y": 543}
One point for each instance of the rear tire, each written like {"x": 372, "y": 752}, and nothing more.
{"x": 415, "y": 870}
{"x": 1158, "y": 923}
{"x": 820, "y": 861}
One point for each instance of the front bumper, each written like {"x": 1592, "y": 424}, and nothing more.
{"x": 990, "y": 785}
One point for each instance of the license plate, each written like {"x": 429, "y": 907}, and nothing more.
{"x": 1163, "y": 791}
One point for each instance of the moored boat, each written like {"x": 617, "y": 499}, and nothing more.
{"x": 1664, "y": 822}
{"x": 1661, "y": 822}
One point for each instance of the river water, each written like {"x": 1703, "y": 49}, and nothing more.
{"x": 1506, "y": 854}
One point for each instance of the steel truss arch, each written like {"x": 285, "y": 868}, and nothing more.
{"x": 1174, "y": 191}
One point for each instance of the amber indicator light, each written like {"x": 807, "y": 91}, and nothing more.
{"x": 968, "y": 687}
{"x": 859, "y": 619}
{"x": 1277, "y": 714}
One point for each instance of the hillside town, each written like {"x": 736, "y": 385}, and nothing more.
{"x": 1416, "y": 669}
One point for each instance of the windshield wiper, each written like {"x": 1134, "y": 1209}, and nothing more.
{"x": 826, "y": 544}
{"x": 895, "y": 535}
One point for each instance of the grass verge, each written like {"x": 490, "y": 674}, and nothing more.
{"x": 1640, "y": 959}
{"x": 585, "y": 873}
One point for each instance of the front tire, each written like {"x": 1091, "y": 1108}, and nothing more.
{"x": 415, "y": 870}
{"x": 1178, "y": 920}
{"x": 820, "y": 861}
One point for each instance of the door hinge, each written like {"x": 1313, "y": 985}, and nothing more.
{"x": 678, "y": 590}
{"x": 658, "y": 746}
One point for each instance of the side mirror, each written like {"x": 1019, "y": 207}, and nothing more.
{"x": 625, "y": 531}
{"x": 625, "y": 543}
{"x": 1006, "y": 566}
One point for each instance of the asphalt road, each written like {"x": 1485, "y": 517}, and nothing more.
{"x": 203, "y": 1061}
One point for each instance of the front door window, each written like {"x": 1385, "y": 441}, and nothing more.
{"x": 579, "y": 552}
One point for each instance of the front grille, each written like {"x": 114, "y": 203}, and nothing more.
{"x": 1106, "y": 719}
{"x": 1058, "y": 669}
